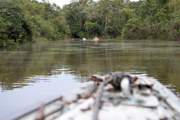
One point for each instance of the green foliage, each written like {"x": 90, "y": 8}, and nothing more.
{"x": 24, "y": 21}
{"x": 92, "y": 28}
{"x": 159, "y": 20}
{"x": 16, "y": 28}
{"x": 3, "y": 27}
{"x": 133, "y": 29}
{"x": 76, "y": 17}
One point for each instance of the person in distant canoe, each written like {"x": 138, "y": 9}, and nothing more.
{"x": 95, "y": 38}
{"x": 84, "y": 38}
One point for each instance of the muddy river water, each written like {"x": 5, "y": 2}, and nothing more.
{"x": 31, "y": 73}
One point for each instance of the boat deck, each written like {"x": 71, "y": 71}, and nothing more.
{"x": 143, "y": 104}
{"x": 149, "y": 100}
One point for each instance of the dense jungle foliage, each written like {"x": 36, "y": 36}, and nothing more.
{"x": 29, "y": 20}
{"x": 24, "y": 21}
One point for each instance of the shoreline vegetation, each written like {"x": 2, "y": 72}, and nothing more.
{"x": 24, "y": 21}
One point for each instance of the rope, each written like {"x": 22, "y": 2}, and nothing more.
{"x": 97, "y": 101}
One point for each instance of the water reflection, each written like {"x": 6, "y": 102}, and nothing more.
{"x": 158, "y": 59}
{"x": 27, "y": 66}
{"x": 95, "y": 42}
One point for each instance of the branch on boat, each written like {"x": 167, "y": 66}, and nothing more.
{"x": 96, "y": 79}
{"x": 86, "y": 109}
{"x": 84, "y": 96}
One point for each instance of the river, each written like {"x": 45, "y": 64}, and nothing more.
{"x": 33, "y": 72}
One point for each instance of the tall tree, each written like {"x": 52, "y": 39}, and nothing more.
{"x": 75, "y": 16}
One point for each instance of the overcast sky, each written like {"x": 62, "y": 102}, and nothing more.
{"x": 61, "y": 3}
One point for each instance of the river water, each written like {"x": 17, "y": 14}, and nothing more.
{"x": 34, "y": 72}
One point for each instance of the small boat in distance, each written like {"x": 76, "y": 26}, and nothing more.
{"x": 115, "y": 96}
{"x": 84, "y": 39}
{"x": 96, "y": 38}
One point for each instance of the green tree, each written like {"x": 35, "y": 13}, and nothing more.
{"x": 92, "y": 28}
{"x": 75, "y": 16}
{"x": 24, "y": 20}
{"x": 3, "y": 37}
{"x": 13, "y": 13}
{"x": 133, "y": 30}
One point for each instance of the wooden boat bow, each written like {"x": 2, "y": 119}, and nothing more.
{"x": 103, "y": 101}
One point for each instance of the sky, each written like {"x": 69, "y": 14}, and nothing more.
{"x": 61, "y": 3}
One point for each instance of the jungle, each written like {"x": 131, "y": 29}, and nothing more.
{"x": 23, "y": 21}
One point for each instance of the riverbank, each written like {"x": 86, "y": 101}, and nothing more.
{"x": 24, "y": 21}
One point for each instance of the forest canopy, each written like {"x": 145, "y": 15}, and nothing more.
{"x": 29, "y": 20}
{"x": 24, "y": 21}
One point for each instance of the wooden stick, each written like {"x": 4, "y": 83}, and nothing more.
{"x": 97, "y": 101}
{"x": 96, "y": 79}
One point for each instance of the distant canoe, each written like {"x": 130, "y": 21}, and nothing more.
{"x": 147, "y": 99}
{"x": 96, "y": 39}
{"x": 84, "y": 39}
